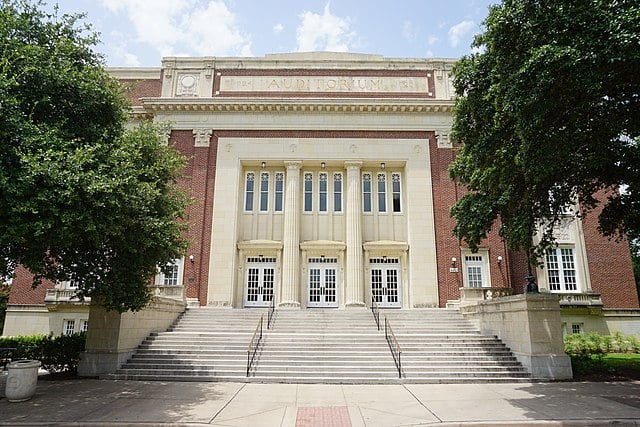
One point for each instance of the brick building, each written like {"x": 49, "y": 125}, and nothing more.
{"x": 321, "y": 180}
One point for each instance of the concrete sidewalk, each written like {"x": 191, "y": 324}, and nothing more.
{"x": 102, "y": 402}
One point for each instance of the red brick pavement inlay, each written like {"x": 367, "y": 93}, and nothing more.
{"x": 329, "y": 416}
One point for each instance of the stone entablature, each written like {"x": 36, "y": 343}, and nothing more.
{"x": 319, "y": 74}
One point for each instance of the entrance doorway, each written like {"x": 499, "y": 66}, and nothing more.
{"x": 385, "y": 282}
{"x": 260, "y": 280}
{"x": 323, "y": 282}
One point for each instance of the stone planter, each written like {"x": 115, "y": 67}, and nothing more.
{"x": 21, "y": 380}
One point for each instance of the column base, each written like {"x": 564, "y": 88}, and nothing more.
{"x": 356, "y": 304}
{"x": 289, "y": 304}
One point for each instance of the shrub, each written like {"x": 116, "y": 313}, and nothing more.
{"x": 57, "y": 354}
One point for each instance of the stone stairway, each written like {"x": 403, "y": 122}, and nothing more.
{"x": 441, "y": 346}
{"x": 205, "y": 344}
{"x": 325, "y": 346}
{"x": 322, "y": 346}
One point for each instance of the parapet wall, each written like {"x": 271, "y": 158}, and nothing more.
{"x": 113, "y": 337}
{"x": 530, "y": 325}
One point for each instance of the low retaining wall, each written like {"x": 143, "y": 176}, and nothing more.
{"x": 530, "y": 326}
{"x": 113, "y": 337}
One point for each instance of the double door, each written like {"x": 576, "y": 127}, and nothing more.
{"x": 322, "y": 282}
{"x": 260, "y": 281}
{"x": 385, "y": 282}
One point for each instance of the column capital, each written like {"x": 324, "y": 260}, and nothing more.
{"x": 293, "y": 164}
{"x": 353, "y": 164}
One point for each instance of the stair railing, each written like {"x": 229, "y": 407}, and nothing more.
{"x": 271, "y": 312}
{"x": 375, "y": 309}
{"x": 394, "y": 346}
{"x": 254, "y": 344}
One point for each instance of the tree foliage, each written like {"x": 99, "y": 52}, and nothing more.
{"x": 83, "y": 197}
{"x": 548, "y": 112}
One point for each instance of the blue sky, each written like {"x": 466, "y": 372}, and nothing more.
{"x": 141, "y": 32}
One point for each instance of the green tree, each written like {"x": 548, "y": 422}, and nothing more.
{"x": 548, "y": 113}
{"x": 84, "y": 198}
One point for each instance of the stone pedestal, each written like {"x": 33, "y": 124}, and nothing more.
{"x": 530, "y": 325}
{"x": 113, "y": 337}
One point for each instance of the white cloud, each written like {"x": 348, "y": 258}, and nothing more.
{"x": 187, "y": 27}
{"x": 278, "y": 28}
{"x": 324, "y": 32}
{"x": 409, "y": 33}
{"x": 432, "y": 39}
{"x": 459, "y": 31}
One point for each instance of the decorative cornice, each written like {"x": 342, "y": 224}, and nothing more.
{"x": 230, "y": 105}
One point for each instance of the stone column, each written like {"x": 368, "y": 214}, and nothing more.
{"x": 290, "y": 289}
{"x": 354, "y": 283}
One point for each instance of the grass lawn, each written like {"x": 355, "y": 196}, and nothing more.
{"x": 612, "y": 367}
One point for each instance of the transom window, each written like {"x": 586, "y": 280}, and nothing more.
{"x": 386, "y": 193}
{"x": 279, "y": 192}
{"x": 308, "y": 192}
{"x": 264, "y": 192}
{"x": 561, "y": 269}
{"x": 317, "y": 190}
{"x": 267, "y": 195}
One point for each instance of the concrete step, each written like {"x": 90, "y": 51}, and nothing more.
{"x": 323, "y": 345}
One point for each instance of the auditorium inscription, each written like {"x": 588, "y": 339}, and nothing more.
{"x": 327, "y": 84}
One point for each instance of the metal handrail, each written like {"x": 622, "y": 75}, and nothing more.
{"x": 253, "y": 344}
{"x": 394, "y": 346}
{"x": 375, "y": 309}
{"x": 271, "y": 312}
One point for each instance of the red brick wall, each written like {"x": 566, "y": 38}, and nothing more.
{"x": 445, "y": 194}
{"x": 199, "y": 181}
{"x": 136, "y": 89}
{"x": 610, "y": 265}
{"x": 23, "y": 293}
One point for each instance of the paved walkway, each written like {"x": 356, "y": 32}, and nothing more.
{"x": 101, "y": 402}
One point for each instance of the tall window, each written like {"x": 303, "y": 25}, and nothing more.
{"x": 474, "y": 266}
{"x": 308, "y": 192}
{"x": 264, "y": 191}
{"x": 382, "y": 192}
{"x": 279, "y": 192}
{"x": 395, "y": 181}
{"x": 366, "y": 192}
{"x": 322, "y": 200}
{"x": 561, "y": 269}
{"x": 337, "y": 192}
{"x": 248, "y": 191}
{"x": 69, "y": 326}
{"x": 84, "y": 326}
{"x": 170, "y": 275}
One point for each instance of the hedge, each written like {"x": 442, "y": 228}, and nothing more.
{"x": 57, "y": 354}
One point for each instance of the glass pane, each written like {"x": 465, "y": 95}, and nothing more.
{"x": 323, "y": 192}
{"x": 396, "y": 192}
{"x": 277, "y": 205}
{"x": 382, "y": 192}
{"x": 264, "y": 192}
{"x": 337, "y": 192}
{"x": 366, "y": 192}
{"x": 308, "y": 192}
{"x": 248, "y": 200}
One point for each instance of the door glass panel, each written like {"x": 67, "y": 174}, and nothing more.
{"x": 267, "y": 284}
{"x": 330, "y": 285}
{"x": 392, "y": 285}
{"x": 314, "y": 285}
{"x": 376, "y": 285}
{"x": 253, "y": 284}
